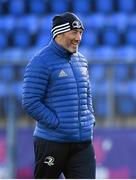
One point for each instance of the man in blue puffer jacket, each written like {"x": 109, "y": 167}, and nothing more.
{"x": 57, "y": 94}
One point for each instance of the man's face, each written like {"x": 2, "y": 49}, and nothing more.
{"x": 70, "y": 40}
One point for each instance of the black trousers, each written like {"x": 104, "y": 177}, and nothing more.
{"x": 74, "y": 160}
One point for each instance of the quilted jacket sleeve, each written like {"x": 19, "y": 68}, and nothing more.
{"x": 89, "y": 93}
{"x": 90, "y": 98}
{"x": 34, "y": 89}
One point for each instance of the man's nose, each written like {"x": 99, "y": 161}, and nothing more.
{"x": 78, "y": 36}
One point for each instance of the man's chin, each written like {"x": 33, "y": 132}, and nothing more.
{"x": 73, "y": 50}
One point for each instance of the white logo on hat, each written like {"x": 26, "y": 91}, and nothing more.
{"x": 76, "y": 24}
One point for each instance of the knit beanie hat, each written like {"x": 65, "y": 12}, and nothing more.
{"x": 65, "y": 22}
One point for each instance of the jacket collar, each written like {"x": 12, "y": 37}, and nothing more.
{"x": 59, "y": 50}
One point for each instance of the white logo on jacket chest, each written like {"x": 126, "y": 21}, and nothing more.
{"x": 62, "y": 73}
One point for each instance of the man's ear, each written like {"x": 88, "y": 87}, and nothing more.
{"x": 58, "y": 37}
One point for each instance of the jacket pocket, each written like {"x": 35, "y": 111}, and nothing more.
{"x": 50, "y": 122}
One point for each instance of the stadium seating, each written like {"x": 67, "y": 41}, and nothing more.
{"x": 121, "y": 72}
{"x": 46, "y": 22}
{"x": 97, "y": 72}
{"x": 126, "y": 53}
{"x": 100, "y": 98}
{"x": 134, "y": 71}
{"x": 16, "y": 7}
{"x": 103, "y": 53}
{"x": 43, "y": 38}
{"x": 101, "y": 106}
{"x": 17, "y": 87}
{"x": 127, "y": 7}
{"x": 30, "y": 22}
{"x": 96, "y": 21}
{"x": 84, "y": 6}
{"x": 13, "y": 55}
{"x": 111, "y": 37}
{"x": 1, "y": 7}
{"x": 7, "y": 23}
{"x": 125, "y": 106}
{"x": 132, "y": 21}
{"x": 118, "y": 20}
{"x": 3, "y": 39}
{"x": 3, "y": 91}
{"x": 104, "y": 6}
{"x": 125, "y": 99}
{"x": 90, "y": 38}
{"x": 21, "y": 38}
{"x": 7, "y": 74}
{"x": 59, "y": 6}
{"x": 131, "y": 36}
{"x": 37, "y": 7}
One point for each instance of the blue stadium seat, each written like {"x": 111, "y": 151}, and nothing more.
{"x": 118, "y": 20}
{"x": 3, "y": 90}
{"x": 21, "y": 38}
{"x": 128, "y": 6}
{"x": 132, "y": 21}
{"x": 84, "y": 6}
{"x": 38, "y": 7}
{"x": 100, "y": 92}
{"x": 45, "y": 22}
{"x": 8, "y": 23}
{"x": 1, "y": 7}
{"x": 126, "y": 53}
{"x": 43, "y": 38}
{"x": 95, "y": 21}
{"x": 16, "y": 7}
{"x": 90, "y": 38}
{"x": 110, "y": 37}
{"x": 100, "y": 87}
{"x": 134, "y": 70}
{"x": 126, "y": 106}
{"x": 126, "y": 99}
{"x": 59, "y": 6}
{"x": 7, "y": 74}
{"x": 104, "y": 53}
{"x": 1, "y": 55}
{"x": 17, "y": 89}
{"x": 104, "y": 6}
{"x": 21, "y": 73}
{"x": 3, "y": 39}
{"x": 121, "y": 72}
{"x": 31, "y": 22}
{"x": 14, "y": 55}
{"x": 87, "y": 52}
{"x": 130, "y": 36}
{"x": 97, "y": 72}
{"x": 133, "y": 89}
{"x": 101, "y": 106}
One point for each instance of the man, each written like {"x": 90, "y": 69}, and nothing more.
{"x": 56, "y": 93}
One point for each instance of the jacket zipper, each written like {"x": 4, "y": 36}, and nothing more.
{"x": 78, "y": 98}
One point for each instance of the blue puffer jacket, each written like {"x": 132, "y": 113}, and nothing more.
{"x": 56, "y": 93}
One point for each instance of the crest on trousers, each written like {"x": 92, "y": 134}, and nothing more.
{"x": 49, "y": 160}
